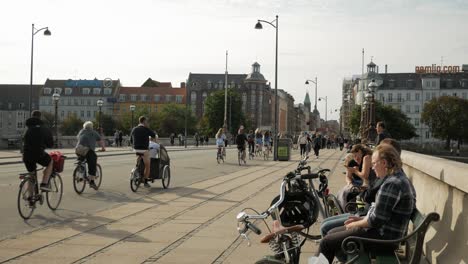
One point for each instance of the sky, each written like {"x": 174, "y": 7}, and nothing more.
{"x": 167, "y": 39}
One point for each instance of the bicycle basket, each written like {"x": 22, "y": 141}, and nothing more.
{"x": 59, "y": 160}
{"x": 298, "y": 208}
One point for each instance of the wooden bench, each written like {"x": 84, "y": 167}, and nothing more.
{"x": 357, "y": 251}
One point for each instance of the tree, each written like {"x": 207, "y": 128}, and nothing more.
{"x": 109, "y": 125}
{"x": 48, "y": 119}
{"x": 447, "y": 119}
{"x": 71, "y": 125}
{"x": 396, "y": 122}
{"x": 171, "y": 119}
{"x": 214, "y": 111}
{"x": 124, "y": 122}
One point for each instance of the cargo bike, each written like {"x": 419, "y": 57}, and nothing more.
{"x": 160, "y": 170}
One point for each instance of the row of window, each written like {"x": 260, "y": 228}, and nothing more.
{"x": 146, "y": 98}
{"x": 428, "y": 96}
{"x": 10, "y": 105}
{"x": 426, "y": 83}
{"x": 84, "y": 91}
{"x": 68, "y": 101}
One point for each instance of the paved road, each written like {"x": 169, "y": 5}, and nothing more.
{"x": 187, "y": 167}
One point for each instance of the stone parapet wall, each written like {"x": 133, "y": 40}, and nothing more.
{"x": 441, "y": 186}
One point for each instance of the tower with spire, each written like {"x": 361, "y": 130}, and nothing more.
{"x": 307, "y": 102}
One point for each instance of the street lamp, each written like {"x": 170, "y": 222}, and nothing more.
{"x": 56, "y": 98}
{"x": 99, "y": 103}
{"x": 132, "y": 108}
{"x": 34, "y": 32}
{"x": 315, "y": 82}
{"x": 259, "y": 26}
{"x": 370, "y": 98}
{"x": 326, "y": 106}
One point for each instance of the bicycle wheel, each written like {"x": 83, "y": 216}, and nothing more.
{"x": 166, "y": 177}
{"x": 54, "y": 197}
{"x": 334, "y": 207}
{"x": 26, "y": 203}
{"x": 135, "y": 179}
{"x": 239, "y": 157}
{"x": 79, "y": 182}
{"x": 98, "y": 179}
{"x": 218, "y": 157}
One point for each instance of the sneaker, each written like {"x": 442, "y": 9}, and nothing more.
{"x": 93, "y": 185}
{"x": 45, "y": 187}
{"x": 146, "y": 184}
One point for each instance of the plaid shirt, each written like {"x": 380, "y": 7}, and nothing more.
{"x": 395, "y": 202}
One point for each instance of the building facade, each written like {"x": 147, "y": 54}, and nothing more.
{"x": 410, "y": 91}
{"x": 79, "y": 97}
{"x": 152, "y": 95}
{"x": 256, "y": 94}
{"x": 14, "y": 109}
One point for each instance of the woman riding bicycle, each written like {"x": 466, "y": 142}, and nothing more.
{"x": 267, "y": 141}
{"x": 258, "y": 140}
{"x": 88, "y": 137}
{"x": 220, "y": 139}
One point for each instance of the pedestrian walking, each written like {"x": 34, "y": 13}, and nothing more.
{"x": 197, "y": 139}
{"x": 116, "y": 138}
{"x": 120, "y": 137}
{"x": 172, "y": 139}
{"x": 317, "y": 143}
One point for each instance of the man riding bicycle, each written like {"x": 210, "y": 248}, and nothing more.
{"x": 241, "y": 139}
{"x": 140, "y": 139}
{"x": 267, "y": 141}
{"x": 220, "y": 141}
{"x": 88, "y": 137}
{"x": 35, "y": 140}
{"x": 251, "y": 141}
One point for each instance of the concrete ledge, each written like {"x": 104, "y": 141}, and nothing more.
{"x": 451, "y": 172}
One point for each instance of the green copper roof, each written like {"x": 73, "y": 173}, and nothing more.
{"x": 307, "y": 99}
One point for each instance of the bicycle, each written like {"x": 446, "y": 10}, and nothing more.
{"x": 80, "y": 175}
{"x": 241, "y": 156}
{"x": 138, "y": 173}
{"x": 251, "y": 153}
{"x": 220, "y": 154}
{"x": 258, "y": 150}
{"x": 29, "y": 193}
{"x": 266, "y": 152}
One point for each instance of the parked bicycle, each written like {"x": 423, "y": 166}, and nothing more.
{"x": 293, "y": 211}
{"x": 80, "y": 175}
{"x": 29, "y": 193}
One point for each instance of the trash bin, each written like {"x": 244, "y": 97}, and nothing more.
{"x": 284, "y": 149}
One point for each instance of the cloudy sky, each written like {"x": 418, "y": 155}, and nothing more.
{"x": 167, "y": 39}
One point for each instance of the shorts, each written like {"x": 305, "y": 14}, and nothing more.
{"x": 142, "y": 151}
{"x": 43, "y": 159}
{"x": 241, "y": 147}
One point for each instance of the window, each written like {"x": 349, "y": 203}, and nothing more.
{"x": 62, "y": 114}
{"x": 381, "y": 98}
{"x": 444, "y": 94}
{"x": 428, "y": 134}
{"x": 449, "y": 83}
{"x": 433, "y": 95}
{"x": 143, "y": 97}
{"x": 391, "y": 83}
{"x": 68, "y": 91}
{"x": 416, "y": 122}
{"x": 58, "y": 90}
{"x": 133, "y": 97}
{"x": 9, "y": 106}
{"x": 193, "y": 97}
{"x": 21, "y": 105}
{"x": 416, "y": 97}
{"x": 464, "y": 95}
{"x": 244, "y": 102}
{"x": 428, "y": 96}
{"x": 157, "y": 98}
{"x": 88, "y": 113}
{"x": 169, "y": 97}
{"x": 209, "y": 84}
{"x": 179, "y": 99}
{"x": 408, "y": 96}
{"x": 82, "y": 113}
{"x": 390, "y": 97}
{"x": 122, "y": 97}
{"x": 410, "y": 83}
{"x": 70, "y": 101}
{"x": 427, "y": 83}
{"x": 416, "y": 108}
{"x": 94, "y": 113}
{"x": 85, "y": 91}
{"x": 399, "y": 97}
{"x": 47, "y": 90}
{"x": 155, "y": 108}
{"x": 408, "y": 109}
{"x": 252, "y": 101}
{"x": 96, "y": 91}
{"x": 433, "y": 83}
{"x": 107, "y": 91}
{"x": 89, "y": 101}
{"x": 75, "y": 101}
{"x": 204, "y": 95}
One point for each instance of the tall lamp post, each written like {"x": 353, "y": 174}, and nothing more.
{"x": 326, "y": 106}
{"x": 132, "y": 109}
{"x": 56, "y": 98}
{"x": 100, "y": 103}
{"x": 259, "y": 26}
{"x": 33, "y": 33}
{"x": 370, "y": 97}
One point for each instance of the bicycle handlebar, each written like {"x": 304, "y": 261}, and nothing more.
{"x": 252, "y": 227}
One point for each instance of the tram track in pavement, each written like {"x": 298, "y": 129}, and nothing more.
{"x": 238, "y": 241}
{"x": 242, "y": 175}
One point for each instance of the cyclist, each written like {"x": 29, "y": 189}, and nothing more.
{"x": 140, "y": 138}
{"x": 258, "y": 140}
{"x": 241, "y": 138}
{"x": 251, "y": 141}
{"x": 220, "y": 141}
{"x": 35, "y": 140}
{"x": 267, "y": 141}
{"x": 88, "y": 137}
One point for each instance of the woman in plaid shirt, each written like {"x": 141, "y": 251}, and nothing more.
{"x": 389, "y": 216}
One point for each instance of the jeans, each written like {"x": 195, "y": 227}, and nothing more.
{"x": 303, "y": 149}
{"x": 91, "y": 159}
{"x": 332, "y": 222}
{"x": 331, "y": 243}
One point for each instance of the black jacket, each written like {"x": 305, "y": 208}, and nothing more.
{"x": 140, "y": 137}
{"x": 36, "y": 138}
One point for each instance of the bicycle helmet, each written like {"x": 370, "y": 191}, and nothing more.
{"x": 298, "y": 208}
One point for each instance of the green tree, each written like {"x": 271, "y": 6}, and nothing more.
{"x": 125, "y": 120}
{"x": 109, "y": 125}
{"x": 446, "y": 117}
{"x": 48, "y": 119}
{"x": 171, "y": 119}
{"x": 71, "y": 125}
{"x": 214, "y": 111}
{"x": 396, "y": 122}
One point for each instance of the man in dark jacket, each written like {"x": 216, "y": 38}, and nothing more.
{"x": 140, "y": 138}
{"x": 381, "y": 133}
{"x": 35, "y": 140}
